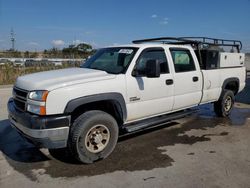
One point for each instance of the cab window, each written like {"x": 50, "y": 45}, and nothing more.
{"x": 183, "y": 60}
{"x": 157, "y": 54}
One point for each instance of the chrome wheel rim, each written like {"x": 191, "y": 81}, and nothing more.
{"x": 228, "y": 103}
{"x": 97, "y": 138}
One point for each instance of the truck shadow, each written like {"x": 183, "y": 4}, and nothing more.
{"x": 16, "y": 148}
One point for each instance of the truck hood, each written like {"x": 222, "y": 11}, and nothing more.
{"x": 51, "y": 80}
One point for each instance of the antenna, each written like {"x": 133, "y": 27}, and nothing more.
{"x": 12, "y": 39}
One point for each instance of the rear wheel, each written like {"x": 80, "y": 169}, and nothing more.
{"x": 224, "y": 106}
{"x": 93, "y": 136}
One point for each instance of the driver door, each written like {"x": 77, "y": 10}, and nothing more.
{"x": 150, "y": 96}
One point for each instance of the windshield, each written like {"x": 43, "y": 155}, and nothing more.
{"x": 112, "y": 60}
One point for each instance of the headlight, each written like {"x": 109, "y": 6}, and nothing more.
{"x": 38, "y": 95}
{"x": 37, "y": 102}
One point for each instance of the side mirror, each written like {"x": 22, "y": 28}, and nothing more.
{"x": 135, "y": 73}
{"x": 153, "y": 69}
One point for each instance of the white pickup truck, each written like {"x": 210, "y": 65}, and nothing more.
{"x": 124, "y": 89}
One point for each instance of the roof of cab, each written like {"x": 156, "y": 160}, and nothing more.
{"x": 149, "y": 45}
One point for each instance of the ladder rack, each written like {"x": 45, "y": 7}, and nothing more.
{"x": 195, "y": 41}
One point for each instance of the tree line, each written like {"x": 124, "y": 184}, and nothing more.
{"x": 81, "y": 50}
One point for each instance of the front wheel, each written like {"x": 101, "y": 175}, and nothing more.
{"x": 224, "y": 105}
{"x": 93, "y": 136}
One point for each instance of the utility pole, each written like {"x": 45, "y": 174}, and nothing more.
{"x": 12, "y": 39}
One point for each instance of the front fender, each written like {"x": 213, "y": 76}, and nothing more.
{"x": 116, "y": 97}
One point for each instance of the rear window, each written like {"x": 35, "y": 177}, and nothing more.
{"x": 183, "y": 60}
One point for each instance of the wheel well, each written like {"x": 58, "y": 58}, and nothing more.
{"x": 108, "y": 106}
{"x": 233, "y": 86}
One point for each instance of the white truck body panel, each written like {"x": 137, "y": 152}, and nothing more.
{"x": 51, "y": 80}
{"x": 214, "y": 79}
{"x": 63, "y": 95}
{"x": 231, "y": 59}
{"x": 152, "y": 96}
{"x": 187, "y": 93}
{"x": 211, "y": 85}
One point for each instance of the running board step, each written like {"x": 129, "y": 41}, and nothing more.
{"x": 156, "y": 121}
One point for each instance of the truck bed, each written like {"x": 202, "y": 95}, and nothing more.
{"x": 214, "y": 79}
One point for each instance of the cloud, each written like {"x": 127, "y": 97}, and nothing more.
{"x": 164, "y": 22}
{"x": 77, "y": 41}
{"x": 88, "y": 32}
{"x": 160, "y": 20}
{"x": 95, "y": 45}
{"x": 33, "y": 44}
{"x": 92, "y": 43}
{"x": 154, "y": 16}
{"x": 115, "y": 44}
{"x": 57, "y": 43}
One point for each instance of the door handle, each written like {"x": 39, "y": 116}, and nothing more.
{"x": 169, "y": 82}
{"x": 195, "y": 78}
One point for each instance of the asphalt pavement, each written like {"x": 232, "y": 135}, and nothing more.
{"x": 201, "y": 150}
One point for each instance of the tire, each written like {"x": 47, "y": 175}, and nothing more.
{"x": 225, "y": 104}
{"x": 93, "y": 136}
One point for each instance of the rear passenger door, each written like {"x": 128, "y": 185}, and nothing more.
{"x": 187, "y": 79}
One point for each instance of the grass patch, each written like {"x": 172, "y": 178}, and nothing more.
{"x": 9, "y": 72}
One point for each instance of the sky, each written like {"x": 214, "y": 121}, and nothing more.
{"x": 43, "y": 24}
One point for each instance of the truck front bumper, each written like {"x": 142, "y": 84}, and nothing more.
{"x": 43, "y": 131}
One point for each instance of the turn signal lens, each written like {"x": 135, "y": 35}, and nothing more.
{"x": 39, "y": 110}
{"x": 42, "y": 110}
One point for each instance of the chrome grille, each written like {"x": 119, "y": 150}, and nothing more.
{"x": 20, "y": 98}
